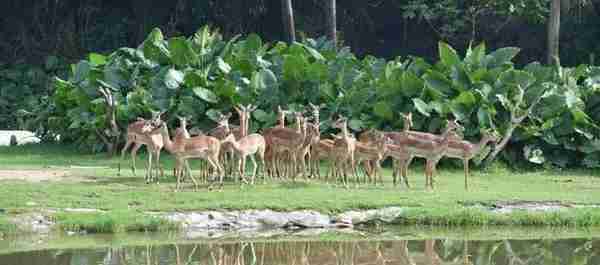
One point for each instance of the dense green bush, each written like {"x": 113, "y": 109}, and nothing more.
{"x": 24, "y": 91}
{"x": 549, "y": 114}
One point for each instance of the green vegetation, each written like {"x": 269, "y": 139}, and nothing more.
{"x": 112, "y": 222}
{"x": 126, "y": 198}
{"x": 5, "y": 225}
{"x": 546, "y": 113}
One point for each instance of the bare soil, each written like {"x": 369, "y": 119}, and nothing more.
{"x": 37, "y": 175}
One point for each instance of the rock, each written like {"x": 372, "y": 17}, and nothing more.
{"x": 386, "y": 215}
{"x": 16, "y": 136}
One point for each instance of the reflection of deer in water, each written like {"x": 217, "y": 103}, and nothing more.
{"x": 189, "y": 258}
{"x": 431, "y": 257}
{"x": 404, "y": 254}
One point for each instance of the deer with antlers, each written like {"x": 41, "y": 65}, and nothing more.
{"x": 139, "y": 133}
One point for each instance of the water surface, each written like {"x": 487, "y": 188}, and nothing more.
{"x": 334, "y": 250}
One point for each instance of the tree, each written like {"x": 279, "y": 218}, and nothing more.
{"x": 288, "y": 21}
{"x": 331, "y": 21}
{"x": 553, "y": 33}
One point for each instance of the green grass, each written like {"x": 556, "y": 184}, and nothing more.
{"x": 101, "y": 188}
{"x": 5, "y": 225}
{"x": 112, "y": 222}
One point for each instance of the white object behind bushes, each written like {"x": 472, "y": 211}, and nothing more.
{"x": 23, "y": 137}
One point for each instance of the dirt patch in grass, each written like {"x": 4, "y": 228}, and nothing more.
{"x": 38, "y": 175}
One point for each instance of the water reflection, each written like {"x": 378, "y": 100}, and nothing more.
{"x": 401, "y": 252}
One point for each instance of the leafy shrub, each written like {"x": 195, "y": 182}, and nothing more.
{"x": 547, "y": 115}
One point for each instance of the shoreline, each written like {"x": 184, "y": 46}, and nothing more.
{"x": 211, "y": 223}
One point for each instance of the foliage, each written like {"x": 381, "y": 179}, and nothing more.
{"x": 24, "y": 92}
{"x": 205, "y": 74}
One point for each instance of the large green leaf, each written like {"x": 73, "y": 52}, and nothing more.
{"x": 383, "y": 110}
{"x": 411, "y": 84}
{"x": 97, "y": 59}
{"x": 448, "y": 55}
{"x": 501, "y": 57}
{"x": 438, "y": 82}
{"x": 155, "y": 47}
{"x": 518, "y": 78}
{"x": 264, "y": 80}
{"x": 205, "y": 94}
{"x": 475, "y": 55}
{"x": 421, "y": 106}
{"x": 181, "y": 52}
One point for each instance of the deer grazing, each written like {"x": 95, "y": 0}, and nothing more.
{"x": 144, "y": 132}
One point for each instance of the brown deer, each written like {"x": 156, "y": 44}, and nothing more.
{"x": 251, "y": 145}
{"x": 430, "y": 149}
{"x": 457, "y": 147}
{"x": 270, "y": 156}
{"x": 374, "y": 153}
{"x": 181, "y": 133}
{"x": 204, "y": 147}
{"x": 289, "y": 140}
{"x": 343, "y": 151}
{"x": 323, "y": 149}
{"x": 139, "y": 134}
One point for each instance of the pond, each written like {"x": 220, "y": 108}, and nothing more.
{"x": 332, "y": 248}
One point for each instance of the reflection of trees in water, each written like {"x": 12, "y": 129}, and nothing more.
{"x": 402, "y": 252}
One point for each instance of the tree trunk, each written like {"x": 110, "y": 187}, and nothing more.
{"x": 553, "y": 33}
{"x": 288, "y": 21}
{"x": 331, "y": 21}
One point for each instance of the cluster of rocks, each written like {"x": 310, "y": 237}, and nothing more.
{"x": 269, "y": 219}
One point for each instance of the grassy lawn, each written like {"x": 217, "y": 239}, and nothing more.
{"x": 91, "y": 182}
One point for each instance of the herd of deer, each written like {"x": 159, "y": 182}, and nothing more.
{"x": 284, "y": 152}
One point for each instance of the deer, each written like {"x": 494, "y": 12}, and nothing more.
{"x": 222, "y": 130}
{"x": 137, "y": 135}
{"x": 269, "y": 154}
{"x": 465, "y": 150}
{"x": 322, "y": 149}
{"x": 204, "y": 147}
{"x": 251, "y": 145}
{"x": 181, "y": 133}
{"x": 375, "y": 153}
{"x": 431, "y": 149}
{"x": 457, "y": 147}
{"x": 306, "y": 154}
{"x": 287, "y": 139}
{"x": 343, "y": 150}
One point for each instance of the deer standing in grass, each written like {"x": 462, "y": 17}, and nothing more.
{"x": 343, "y": 151}
{"x": 289, "y": 140}
{"x": 373, "y": 152}
{"x": 321, "y": 150}
{"x": 431, "y": 148}
{"x": 249, "y": 145}
{"x": 181, "y": 133}
{"x": 305, "y": 154}
{"x": 204, "y": 147}
{"x": 143, "y": 132}
{"x": 464, "y": 150}
{"x": 270, "y": 155}
{"x": 222, "y": 130}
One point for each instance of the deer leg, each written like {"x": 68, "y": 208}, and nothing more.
{"x": 134, "y": 150}
{"x": 158, "y": 166}
{"x": 127, "y": 144}
{"x": 404, "y": 170}
{"x": 149, "y": 168}
{"x": 254, "y": 170}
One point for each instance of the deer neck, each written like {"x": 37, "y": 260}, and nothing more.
{"x": 168, "y": 144}
{"x": 281, "y": 121}
{"x": 345, "y": 131}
